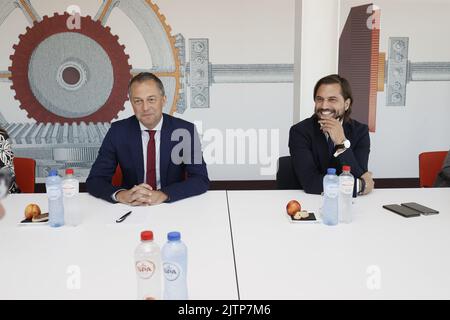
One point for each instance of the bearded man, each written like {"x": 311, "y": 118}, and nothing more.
{"x": 330, "y": 139}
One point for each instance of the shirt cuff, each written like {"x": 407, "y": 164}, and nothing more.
{"x": 339, "y": 151}
{"x": 363, "y": 185}
{"x": 360, "y": 186}
{"x": 113, "y": 196}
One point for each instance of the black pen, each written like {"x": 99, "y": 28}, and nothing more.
{"x": 123, "y": 217}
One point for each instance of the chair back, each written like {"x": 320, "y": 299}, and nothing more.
{"x": 430, "y": 163}
{"x": 25, "y": 169}
{"x": 286, "y": 178}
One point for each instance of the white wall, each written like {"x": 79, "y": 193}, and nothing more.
{"x": 422, "y": 125}
{"x": 241, "y": 32}
{"x": 318, "y": 50}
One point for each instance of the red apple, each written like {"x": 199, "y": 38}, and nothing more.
{"x": 32, "y": 210}
{"x": 293, "y": 207}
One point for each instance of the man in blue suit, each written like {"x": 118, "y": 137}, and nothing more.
{"x": 330, "y": 139}
{"x": 160, "y": 156}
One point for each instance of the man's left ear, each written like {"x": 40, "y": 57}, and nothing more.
{"x": 347, "y": 104}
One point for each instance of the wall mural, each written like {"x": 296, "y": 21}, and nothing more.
{"x": 362, "y": 63}
{"x": 72, "y": 80}
{"x": 70, "y": 75}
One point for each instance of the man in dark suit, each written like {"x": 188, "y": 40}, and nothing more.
{"x": 330, "y": 139}
{"x": 160, "y": 156}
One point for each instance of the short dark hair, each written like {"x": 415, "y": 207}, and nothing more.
{"x": 346, "y": 90}
{"x": 146, "y": 76}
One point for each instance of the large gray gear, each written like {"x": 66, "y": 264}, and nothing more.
{"x": 92, "y": 64}
{"x": 59, "y": 145}
{"x": 85, "y": 80}
{"x": 164, "y": 48}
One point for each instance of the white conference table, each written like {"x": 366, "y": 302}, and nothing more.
{"x": 96, "y": 259}
{"x": 380, "y": 255}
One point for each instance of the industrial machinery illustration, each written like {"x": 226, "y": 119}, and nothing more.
{"x": 72, "y": 82}
{"x": 368, "y": 71}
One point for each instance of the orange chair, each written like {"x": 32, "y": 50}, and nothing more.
{"x": 430, "y": 163}
{"x": 25, "y": 169}
{"x": 117, "y": 177}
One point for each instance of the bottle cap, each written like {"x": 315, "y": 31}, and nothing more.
{"x": 146, "y": 235}
{"x": 173, "y": 236}
{"x": 331, "y": 171}
{"x": 53, "y": 173}
{"x": 69, "y": 171}
{"x": 346, "y": 168}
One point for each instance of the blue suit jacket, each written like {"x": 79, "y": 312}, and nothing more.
{"x": 310, "y": 156}
{"x": 122, "y": 145}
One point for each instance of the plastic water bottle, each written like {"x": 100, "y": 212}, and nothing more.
{"x": 174, "y": 257}
{"x": 147, "y": 257}
{"x": 55, "y": 199}
{"x": 346, "y": 183}
{"x": 71, "y": 190}
{"x": 330, "y": 198}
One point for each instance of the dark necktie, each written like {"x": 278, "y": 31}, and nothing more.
{"x": 330, "y": 146}
{"x": 151, "y": 160}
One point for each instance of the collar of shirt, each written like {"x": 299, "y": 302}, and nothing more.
{"x": 156, "y": 128}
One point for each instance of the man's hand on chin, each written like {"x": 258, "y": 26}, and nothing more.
{"x": 334, "y": 128}
{"x": 141, "y": 195}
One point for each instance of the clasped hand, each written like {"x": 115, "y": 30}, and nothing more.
{"x": 141, "y": 195}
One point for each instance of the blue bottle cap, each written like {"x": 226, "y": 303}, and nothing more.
{"x": 52, "y": 173}
{"x": 331, "y": 171}
{"x": 173, "y": 236}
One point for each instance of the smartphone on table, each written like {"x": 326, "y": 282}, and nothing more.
{"x": 402, "y": 210}
{"x": 420, "y": 208}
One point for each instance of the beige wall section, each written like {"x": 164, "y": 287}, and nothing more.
{"x": 317, "y": 54}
